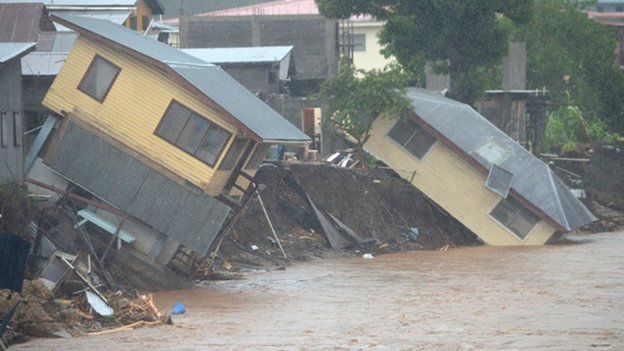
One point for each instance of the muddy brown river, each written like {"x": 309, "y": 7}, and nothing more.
{"x": 563, "y": 297}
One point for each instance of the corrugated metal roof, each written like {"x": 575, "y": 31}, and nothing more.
{"x": 188, "y": 217}
{"x": 57, "y": 42}
{"x": 481, "y": 140}
{"x": 9, "y": 51}
{"x": 43, "y": 63}
{"x": 282, "y": 7}
{"x": 155, "y": 5}
{"x": 278, "y": 8}
{"x": 116, "y": 16}
{"x": 98, "y": 3}
{"x": 209, "y": 79}
{"x": 20, "y": 22}
{"x": 259, "y": 54}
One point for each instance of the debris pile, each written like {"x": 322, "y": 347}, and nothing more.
{"x": 42, "y": 314}
{"x": 372, "y": 213}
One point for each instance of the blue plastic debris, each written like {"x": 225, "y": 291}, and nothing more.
{"x": 413, "y": 234}
{"x": 178, "y": 308}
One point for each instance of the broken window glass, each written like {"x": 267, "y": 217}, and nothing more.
{"x": 192, "y": 133}
{"x": 99, "y": 78}
{"x": 412, "y": 138}
{"x": 515, "y": 217}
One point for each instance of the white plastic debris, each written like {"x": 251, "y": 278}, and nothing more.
{"x": 254, "y": 248}
{"x": 99, "y": 305}
{"x": 368, "y": 256}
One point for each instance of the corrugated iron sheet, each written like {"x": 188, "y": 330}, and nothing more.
{"x": 19, "y": 22}
{"x": 260, "y": 54}
{"x": 478, "y": 137}
{"x": 43, "y": 63}
{"x": 57, "y": 42}
{"x": 211, "y": 80}
{"x": 189, "y": 217}
{"x": 9, "y": 51}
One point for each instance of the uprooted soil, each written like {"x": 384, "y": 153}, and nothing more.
{"x": 380, "y": 206}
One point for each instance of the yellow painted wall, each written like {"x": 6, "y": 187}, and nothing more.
{"x": 372, "y": 57}
{"x": 131, "y": 111}
{"x": 453, "y": 184}
{"x": 142, "y": 9}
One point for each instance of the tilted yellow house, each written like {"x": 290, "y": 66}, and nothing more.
{"x": 133, "y": 14}
{"x": 156, "y": 132}
{"x": 475, "y": 172}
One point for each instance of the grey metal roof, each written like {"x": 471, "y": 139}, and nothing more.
{"x": 209, "y": 79}
{"x": 260, "y": 54}
{"x": 59, "y": 42}
{"x": 9, "y": 51}
{"x": 43, "y": 63}
{"x": 116, "y": 16}
{"x": 189, "y": 217}
{"x": 155, "y": 5}
{"x": 481, "y": 140}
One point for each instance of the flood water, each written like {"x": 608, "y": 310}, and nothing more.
{"x": 563, "y": 297}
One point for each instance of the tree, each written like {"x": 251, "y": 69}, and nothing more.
{"x": 461, "y": 37}
{"x": 568, "y": 53}
{"x": 356, "y": 98}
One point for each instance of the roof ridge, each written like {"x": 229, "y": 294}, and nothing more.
{"x": 557, "y": 197}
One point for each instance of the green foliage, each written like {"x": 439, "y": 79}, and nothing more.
{"x": 356, "y": 98}
{"x": 568, "y": 52}
{"x": 567, "y": 129}
{"x": 463, "y": 37}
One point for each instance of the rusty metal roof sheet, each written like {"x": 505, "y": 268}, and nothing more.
{"x": 20, "y": 22}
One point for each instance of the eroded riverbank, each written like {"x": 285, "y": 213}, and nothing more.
{"x": 563, "y": 297}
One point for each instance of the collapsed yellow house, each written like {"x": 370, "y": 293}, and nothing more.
{"x": 475, "y": 172}
{"x": 157, "y": 133}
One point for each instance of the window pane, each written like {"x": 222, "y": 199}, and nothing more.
{"x": 401, "y": 132}
{"x": 523, "y": 223}
{"x": 172, "y": 123}
{"x": 212, "y": 145}
{"x": 99, "y": 78}
{"x": 193, "y": 133}
{"x": 505, "y": 210}
{"x": 233, "y": 154}
{"x": 359, "y": 42}
{"x": 420, "y": 143}
{"x": 258, "y": 157}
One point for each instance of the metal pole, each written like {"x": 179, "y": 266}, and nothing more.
{"x": 266, "y": 214}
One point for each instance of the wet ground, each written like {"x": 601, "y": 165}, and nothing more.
{"x": 563, "y": 297}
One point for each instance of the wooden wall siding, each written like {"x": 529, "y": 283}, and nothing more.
{"x": 11, "y": 156}
{"x": 132, "y": 109}
{"x": 453, "y": 185}
{"x": 142, "y": 9}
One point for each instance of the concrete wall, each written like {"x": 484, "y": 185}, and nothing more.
{"x": 372, "y": 57}
{"x": 452, "y": 184}
{"x": 12, "y": 122}
{"x": 315, "y": 38}
{"x": 256, "y": 78}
